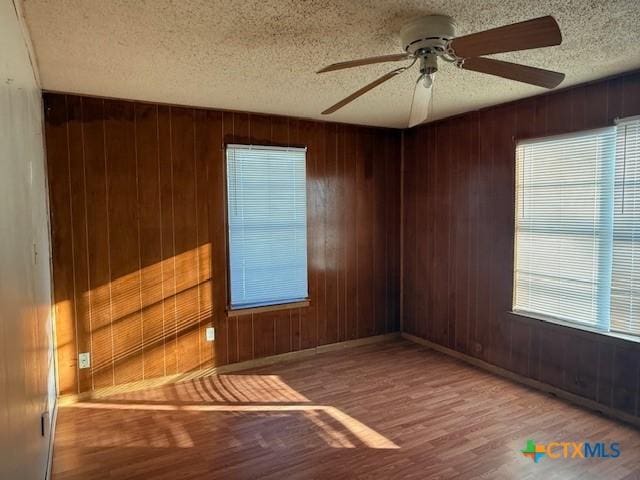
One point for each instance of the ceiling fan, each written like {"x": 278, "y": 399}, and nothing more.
{"x": 428, "y": 38}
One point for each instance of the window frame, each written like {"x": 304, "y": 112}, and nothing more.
{"x": 613, "y": 335}
{"x": 232, "y": 311}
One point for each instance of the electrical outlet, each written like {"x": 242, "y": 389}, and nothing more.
{"x": 211, "y": 334}
{"x": 84, "y": 360}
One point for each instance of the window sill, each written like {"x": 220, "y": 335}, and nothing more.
{"x": 236, "y": 312}
{"x": 576, "y": 326}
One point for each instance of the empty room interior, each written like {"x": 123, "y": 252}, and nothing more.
{"x": 319, "y": 239}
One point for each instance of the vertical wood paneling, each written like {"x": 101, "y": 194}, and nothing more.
{"x": 443, "y": 251}
{"x": 215, "y": 195}
{"x": 484, "y": 237}
{"x": 379, "y": 240}
{"x": 470, "y": 152}
{"x": 350, "y": 229}
{"x": 318, "y": 218}
{"x": 185, "y": 238}
{"x": 124, "y": 255}
{"x": 150, "y": 245}
{"x": 626, "y": 360}
{"x": 606, "y": 353}
{"x": 331, "y": 247}
{"x": 630, "y": 95}
{"x": 460, "y": 237}
{"x": 395, "y": 214}
{"x": 61, "y": 242}
{"x": 451, "y": 212}
{"x": 580, "y": 377}
{"x": 409, "y": 232}
{"x": 429, "y": 230}
{"x": 596, "y": 99}
{"x": 97, "y": 201}
{"x": 167, "y": 240}
{"x": 504, "y": 191}
{"x": 308, "y": 316}
{"x": 364, "y": 250}
{"x": 245, "y": 335}
{"x": 140, "y": 241}
{"x": 207, "y": 139}
{"x": 78, "y": 211}
{"x": 462, "y": 180}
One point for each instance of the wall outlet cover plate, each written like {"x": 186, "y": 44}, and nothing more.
{"x": 211, "y": 334}
{"x": 84, "y": 360}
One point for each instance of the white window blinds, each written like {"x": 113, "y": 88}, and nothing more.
{"x": 625, "y": 288}
{"x": 267, "y": 207}
{"x": 564, "y": 207}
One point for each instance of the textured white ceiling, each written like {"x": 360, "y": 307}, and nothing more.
{"x": 260, "y": 56}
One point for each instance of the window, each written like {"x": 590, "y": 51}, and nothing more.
{"x": 267, "y": 218}
{"x": 625, "y": 281}
{"x": 577, "y": 250}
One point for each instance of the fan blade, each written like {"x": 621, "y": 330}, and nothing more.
{"x": 363, "y": 90}
{"x": 366, "y": 61}
{"x": 514, "y": 71}
{"x": 420, "y": 104}
{"x": 536, "y": 33}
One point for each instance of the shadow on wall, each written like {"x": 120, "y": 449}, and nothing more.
{"x": 132, "y": 250}
{"x": 147, "y": 323}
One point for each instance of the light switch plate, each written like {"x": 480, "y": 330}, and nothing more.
{"x": 84, "y": 360}
{"x": 211, "y": 334}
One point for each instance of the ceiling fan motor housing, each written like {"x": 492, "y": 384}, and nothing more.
{"x": 428, "y": 34}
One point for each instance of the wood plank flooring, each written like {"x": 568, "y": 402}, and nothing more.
{"x": 388, "y": 410}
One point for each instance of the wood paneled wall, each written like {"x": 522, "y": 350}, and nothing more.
{"x": 139, "y": 237}
{"x": 458, "y": 231}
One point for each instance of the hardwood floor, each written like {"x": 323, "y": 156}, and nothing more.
{"x": 388, "y": 410}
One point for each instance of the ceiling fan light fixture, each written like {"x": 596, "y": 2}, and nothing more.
{"x": 427, "y": 38}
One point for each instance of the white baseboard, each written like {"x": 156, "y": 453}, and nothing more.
{"x": 530, "y": 382}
